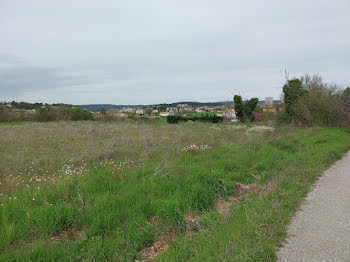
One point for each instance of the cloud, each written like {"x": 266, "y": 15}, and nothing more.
{"x": 132, "y": 51}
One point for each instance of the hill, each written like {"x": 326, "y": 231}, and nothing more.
{"x": 98, "y": 107}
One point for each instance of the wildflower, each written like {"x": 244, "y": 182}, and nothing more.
{"x": 260, "y": 128}
{"x": 194, "y": 147}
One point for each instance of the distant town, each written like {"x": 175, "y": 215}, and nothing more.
{"x": 109, "y": 111}
{"x": 223, "y": 109}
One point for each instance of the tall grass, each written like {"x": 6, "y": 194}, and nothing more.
{"x": 112, "y": 213}
{"x": 39, "y": 151}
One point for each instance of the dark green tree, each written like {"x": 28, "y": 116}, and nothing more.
{"x": 244, "y": 109}
{"x": 293, "y": 91}
{"x": 162, "y": 108}
{"x": 346, "y": 99}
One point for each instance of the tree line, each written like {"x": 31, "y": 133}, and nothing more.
{"x": 44, "y": 113}
{"x": 306, "y": 101}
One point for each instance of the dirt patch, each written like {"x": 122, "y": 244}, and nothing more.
{"x": 161, "y": 244}
{"x": 223, "y": 205}
{"x": 70, "y": 234}
{"x": 192, "y": 222}
{"x": 242, "y": 189}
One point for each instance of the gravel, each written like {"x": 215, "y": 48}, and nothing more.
{"x": 320, "y": 231}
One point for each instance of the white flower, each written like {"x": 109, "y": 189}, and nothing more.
{"x": 260, "y": 128}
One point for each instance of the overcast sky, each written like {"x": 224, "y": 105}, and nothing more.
{"x": 154, "y": 51}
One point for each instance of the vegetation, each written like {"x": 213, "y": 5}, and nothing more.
{"x": 293, "y": 91}
{"x": 141, "y": 189}
{"x": 118, "y": 188}
{"x": 309, "y": 101}
{"x": 211, "y": 118}
{"x": 244, "y": 109}
{"x": 255, "y": 227}
{"x": 29, "y": 106}
{"x": 43, "y": 113}
{"x": 78, "y": 113}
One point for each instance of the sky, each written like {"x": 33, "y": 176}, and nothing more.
{"x": 163, "y": 51}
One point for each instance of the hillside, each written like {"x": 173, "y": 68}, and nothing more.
{"x": 98, "y": 107}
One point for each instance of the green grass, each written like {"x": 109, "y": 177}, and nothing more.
{"x": 112, "y": 213}
{"x": 203, "y": 113}
{"x": 257, "y": 227}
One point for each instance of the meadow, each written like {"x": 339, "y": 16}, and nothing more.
{"x": 137, "y": 191}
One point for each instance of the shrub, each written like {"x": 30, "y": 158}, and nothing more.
{"x": 45, "y": 114}
{"x": 174, "y": 119}
{"x": 309, "y": 101}
{"x": 244, "y": 109}
{"x": 293, "y": 90}
{"x": 78, "y": 113}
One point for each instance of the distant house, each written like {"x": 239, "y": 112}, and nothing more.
{"x": 164, "y": 114}
{"x": 182, "y": 105}
{"x": 140, "y": 111}
{"x": 172, "y": 109}
{"x": 230, "y": 113}
{"x": 129, "y": 110}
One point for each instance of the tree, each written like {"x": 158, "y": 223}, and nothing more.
{"x": 162, "y": 108}
{"x": 346, "y": 99}
{"x": 293, "y": 90}
{"x": 244, "y": 109}
{"x": 103, "y": 111}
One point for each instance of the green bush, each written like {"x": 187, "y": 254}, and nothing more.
{"x": 293, "y": 91}
{"x": 244, "y": 109}
{"x": 45, "y": 114}
{"x": 174, "y": 119}
{"x": 309, "y": 101}
{"x": 78, "y": 113}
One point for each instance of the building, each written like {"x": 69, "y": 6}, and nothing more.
{"x": 164, "y": 114}
{"x": 268, "y": 101}
{"x": 139, "y": 111}
{"x": 229, "y": 113}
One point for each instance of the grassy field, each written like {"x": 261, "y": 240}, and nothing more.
{"x": 135, "y": 191}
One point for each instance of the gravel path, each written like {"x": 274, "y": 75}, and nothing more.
{"x": 320, "y": 231}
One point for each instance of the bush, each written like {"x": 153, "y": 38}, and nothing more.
{"x": 78, "y": 113}
{"x": 174, "y": 119}
{"x": 45, "y": 114}
{"x": 244, "y": 109}
{"x": 309, "y": 101}
{"x": 293, "y": 91}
